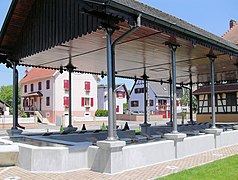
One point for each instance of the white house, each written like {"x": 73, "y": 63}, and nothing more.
{"x": 4, "y": 108}
{"x": 47, "y": 91}
{"x": 121, "y": 97}
{"x": 158, "y": 95}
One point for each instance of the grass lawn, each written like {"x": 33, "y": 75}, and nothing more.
{"x": 226, "y": 169}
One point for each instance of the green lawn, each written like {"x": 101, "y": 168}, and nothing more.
{"x": 225, "y": 169}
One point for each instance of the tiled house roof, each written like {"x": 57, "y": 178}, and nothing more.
{"x": 232, "y": 33}
{"x": 36, "y": 73}
{"x": 218, "y": 89}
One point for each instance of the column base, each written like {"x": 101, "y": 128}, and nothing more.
{"x": 175, "y": 136}
{"x": 14, "y": 132}
{"x": 109, "y": 157}
{"x": 69, "y": 129}
{"x": 145, "y": 128}
{"x": 214, "y": 131}
{"x": 169, "y": 123}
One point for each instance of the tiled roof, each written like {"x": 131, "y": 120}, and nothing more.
{"x": 37, "y": 73}
{"x": 232, "y": 34}
{"x": 218, "y": 89}
{"x": 160, "y": 90}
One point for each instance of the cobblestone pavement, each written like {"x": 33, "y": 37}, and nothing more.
{"x": 149, "y": 172}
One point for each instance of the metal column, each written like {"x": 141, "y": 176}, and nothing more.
{"x": 173, "y": 54}
{"x": 191, "y": 99}
{"x": 171, "y": 102}
{"x": 15, "y": 98}
{"x": 212, "y": 59}
{"x": 145, "y": 98}
{"x": 70, "y": 69}
{"x": 111, "y": 85}
{"x": 70, "y": 98}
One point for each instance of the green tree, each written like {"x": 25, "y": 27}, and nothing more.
{"x": 186, "y": 99}
{"x": 6, "y": 95}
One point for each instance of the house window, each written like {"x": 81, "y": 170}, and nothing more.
{"x": 66, "y": 84}
{"x": 151, "y": 102}
{"x": 162, "y": 104}
{"x": 47, "y": 101}
{"x": 48, "y": 84}
{"x": 87, "y": 85}
{"x": 39, "y": 86}
{"x": 139, "y": 90}
{"x": 134, "y": 103}
{"x": 231, "y": 99}
{"x": 32, "y": 87}
{"x": 87, "y": 102}
{"x": 120, "y": 94}
{"x": 117, "y": 108}
{"x": 25, "y": 89}
{"x": 66, "y": 101}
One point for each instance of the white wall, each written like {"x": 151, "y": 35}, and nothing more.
{"x": 121, "y": 101}
{"x": 103, "y": 99}
{"x": 78, "y": 91}
{"x": 140, "y": 97}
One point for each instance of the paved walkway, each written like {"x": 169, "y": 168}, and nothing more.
{"x": 149, "y": 172}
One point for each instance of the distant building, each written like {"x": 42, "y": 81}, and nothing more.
{"x": 4, "y": 108}
{"x": 121, "y": 97}
{"x": 158, "y": 95}
{"x": 226, "y": 95}
{"x": 47, "y": 91}
{"x": 226, "y": 103}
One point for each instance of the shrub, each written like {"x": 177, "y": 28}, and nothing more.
{"x": 103, "y": 128}
{"x": 101, "y": 113}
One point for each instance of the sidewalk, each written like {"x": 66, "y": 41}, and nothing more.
{"x": 149, "y": 172}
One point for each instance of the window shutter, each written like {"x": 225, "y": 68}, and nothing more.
{"x": 117, "y": 109}
{"x": 87, "y": 86}
{"x": 91, "y": 102}
{"x": 82, "y": 102}
{"x": 66, "y": 101}
{"x": 123, "y": 94}
{"x": 117, "y": 95}
{"x": 66, "y": 84}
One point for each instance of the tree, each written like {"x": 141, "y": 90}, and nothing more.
{"x": 186, "y": 99}
{"x": 6, "y": 95}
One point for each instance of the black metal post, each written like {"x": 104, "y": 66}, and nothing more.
{"x": 15, "y": 93}
{"x": 145, "y": 98}
{"x": 171, "y": 99}
{"x": 191, "y": 99}
{"x": 212, "y": 60}
{"x": 70, "y": 97}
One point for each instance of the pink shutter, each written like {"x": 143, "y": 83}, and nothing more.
{"x": 117, "y": 109}
{"x": 123, "y": 94}
{"x": 87, "y": 86}
{"x": 66, "y": 84}
{"x": 91, "y": 102}
{"x": 66, "y": 101}
{"x": 117, "y": 95}
{"x": 82, "y": 102}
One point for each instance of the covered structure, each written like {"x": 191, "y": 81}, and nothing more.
{"x": 59, "y": 34}
{"x": 122, "y": 38}
{"x": 226, "y": 96}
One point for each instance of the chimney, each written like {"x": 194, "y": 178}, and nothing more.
{"x": 26, "y": 71}
{"x": 232, "y": 23}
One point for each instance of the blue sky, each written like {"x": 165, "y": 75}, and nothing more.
{"x": 211, "y": 15}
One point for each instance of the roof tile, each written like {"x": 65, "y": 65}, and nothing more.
{"x": 36, "y": 73}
